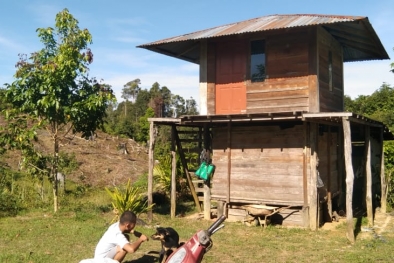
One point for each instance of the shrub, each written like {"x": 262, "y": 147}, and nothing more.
{"x": 9, "y": 205}
{"x": 128, "y": 199}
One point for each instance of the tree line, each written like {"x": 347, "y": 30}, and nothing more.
{"x": 129, "y": 117}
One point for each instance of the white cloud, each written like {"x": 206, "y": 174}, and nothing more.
{"x": 363, "y": 78}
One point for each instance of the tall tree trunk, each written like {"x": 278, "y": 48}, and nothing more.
{"x": 54, "y": 172}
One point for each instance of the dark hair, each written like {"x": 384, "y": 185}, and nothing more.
{"x": 128, "y": 217}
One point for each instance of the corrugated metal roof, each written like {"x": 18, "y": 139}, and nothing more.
{"x": 354, "y": 33}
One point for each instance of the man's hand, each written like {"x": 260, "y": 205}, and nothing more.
{"x": 143, "y": 238}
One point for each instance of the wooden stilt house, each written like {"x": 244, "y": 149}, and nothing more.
{"x": 272, "y": 115}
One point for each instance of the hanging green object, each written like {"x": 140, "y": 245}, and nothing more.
{"x": 205, "y": 171}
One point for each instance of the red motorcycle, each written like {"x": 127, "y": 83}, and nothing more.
{"x": 194, "y": 250}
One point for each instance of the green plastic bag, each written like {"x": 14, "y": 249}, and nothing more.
{"x": 205, "y": 171}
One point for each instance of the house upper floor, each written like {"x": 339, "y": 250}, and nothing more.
{"x": 278, "y": 63}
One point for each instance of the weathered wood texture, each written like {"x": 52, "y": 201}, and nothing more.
{"x": 312, "y": 189}
{"x": 297, "y": 74}
{"x": 349, "y": 179}
{"x": 368, "y": 174}
{"x": 211, "y": 78}
{"x": 330, "y": 100}
{"x": 286, "y": 87}
{"x": 266, "y": 164}
{"x": 328, "y": 158}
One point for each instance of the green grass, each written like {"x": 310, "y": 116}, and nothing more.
{"x": 39, "y": 236}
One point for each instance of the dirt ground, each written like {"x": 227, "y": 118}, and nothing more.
{"x": 383, "y": 226}
{"x": 104, "y": 160}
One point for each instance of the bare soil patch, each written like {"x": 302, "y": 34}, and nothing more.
{"x": 104, "y": 161}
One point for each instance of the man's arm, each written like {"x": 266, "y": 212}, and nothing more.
{"x": 132, "y": 247}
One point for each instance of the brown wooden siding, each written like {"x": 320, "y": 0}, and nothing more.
{"x": 287, "y": 85}
{"x": 266, "y": 164}
{"x": 328, "y": 158}
{"x": 330, "y": 100}
{"x": 211, "y": 78}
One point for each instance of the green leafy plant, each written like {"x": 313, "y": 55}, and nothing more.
{"x": 128, "y": 199}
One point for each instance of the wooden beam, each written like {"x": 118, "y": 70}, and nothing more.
{"x": 173, "y": 173}
{"x": 329, "y": 190}
{"x": 228, "y": 161}
{"x": 207, "y": 202}
{"x": 313, "y": 201}
{"x": 188, "y": 177}
{"x": 349, "y": 178}
{"x": 368, "y": 174}
{"x": 152, "y": 138}
{"x": 383, "y": 181}
{"x": 306, "y": 154}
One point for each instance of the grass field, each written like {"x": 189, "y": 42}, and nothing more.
{"x": 39, "y": 236}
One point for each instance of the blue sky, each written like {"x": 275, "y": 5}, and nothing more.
{"x": 119, "y": 26}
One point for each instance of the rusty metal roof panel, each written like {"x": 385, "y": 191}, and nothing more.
{"x": 354, "y": 45}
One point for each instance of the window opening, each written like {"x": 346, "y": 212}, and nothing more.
{"x": 257, "y": 61}
{"x": 330, "y": 70}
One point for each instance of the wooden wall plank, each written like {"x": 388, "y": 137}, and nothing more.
{"x": 329, "y": 100}
{"x": 266, "y": 162}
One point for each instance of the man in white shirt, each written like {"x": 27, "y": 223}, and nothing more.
{"x": 114, "y": 243}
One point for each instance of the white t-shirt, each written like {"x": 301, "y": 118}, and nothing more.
{"x": 112, "y": 237}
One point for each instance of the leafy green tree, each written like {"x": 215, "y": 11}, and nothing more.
{"x": 143, "y": 126}
{"x": 378, "y": 106}
{"x": 191, "y": 107}
{"x": 130, "y": 90}
{"x": 178, "y": 106}
{"x": 52, "y": 90}
{"x": 141, "y": 103}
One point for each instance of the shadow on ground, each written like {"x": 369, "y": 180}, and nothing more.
{"x": 150, "y": 257}
{"x": 144, "y": 259}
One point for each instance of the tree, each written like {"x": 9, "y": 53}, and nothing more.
{"x": 178, "y": 106}
{"x": 378, "y": 106}
{"x": 142, "y": 134}
{"x": 130, "y": 90}
{"x": 52, "y": 90}
{"x": 191, "y": 107}
{"x": 392, "y": 66}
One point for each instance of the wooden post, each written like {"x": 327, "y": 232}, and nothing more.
{"x": 207, "y": 189}
{"x": 306, "y": 155}
{"x": 349, "y": 178}
{"x": 329, "y": 190}
{"x": 152, "y": 138}
{"x": 207, "y": 202}
{"x": 383, "y": 181}
{"x": 220, "y": 208}
{"x": 228, "y": 161}
{"x": 341, "y": 171}
{"x": 313, "y": 202}
{"x": 368, "y": 174}
{"x": 173, "y": 173}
